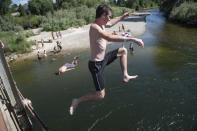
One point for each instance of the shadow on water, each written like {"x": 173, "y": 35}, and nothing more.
{"x": 162, "y": 98}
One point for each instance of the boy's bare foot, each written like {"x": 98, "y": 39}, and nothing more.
{"x": 127, "y": 78}
{"x": 73, "y": 106}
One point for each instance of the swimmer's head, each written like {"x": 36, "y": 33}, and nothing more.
{"x": 57, "y": 72}
{"x": 76, "y": 57}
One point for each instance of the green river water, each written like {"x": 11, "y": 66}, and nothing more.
{"x": 162, "y": 98}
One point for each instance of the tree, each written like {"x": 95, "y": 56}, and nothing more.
{"x": 59, "y": 3}
{"x": 40, "y": 6}
{"x": 75, "y": 3}
{"x": 130, "y": 3}
{"x": 21, "y": 10}
{"x": 14, "y": 8}
{"x": 121, "y": 2}
{"x": 167, "y": 5}
{"x": 4, "y": 6}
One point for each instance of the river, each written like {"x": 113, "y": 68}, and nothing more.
{"x": 162, "y": 98}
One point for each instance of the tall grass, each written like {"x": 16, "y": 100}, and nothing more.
{"x": 118, "y": 11}
{"x": 75, "y": 17}
{"x": 63, "y": 19}
{"x": 15, "y": 43}
{"x": 185, "y": 13}
{"x": 7, "y": 23}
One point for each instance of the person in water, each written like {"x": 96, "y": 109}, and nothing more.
{"x": 114, "y": 33}
{"x": 59, "y": 45}
{"x": 42, "y": 42}
{"x": 131, "y": 49}
{"x": 1, "y": 44}
{"x": 68, "y": 66}
{"x": 126, "y": 34}
{"x": 98, "y": 59}
{"x": 45, "y": 53}
{"x": 123, "y": 28}
{"x": 39, "y": 56}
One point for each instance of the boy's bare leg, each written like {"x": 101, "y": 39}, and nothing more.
{"x": 122, "y": 52}
{"x": 88, "y": 97}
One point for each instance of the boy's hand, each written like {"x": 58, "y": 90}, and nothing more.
{"x": 126, "y": 14}
{"x": 138, "y": 41}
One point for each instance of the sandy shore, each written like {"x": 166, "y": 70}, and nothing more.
{"x": 78, "y": 38}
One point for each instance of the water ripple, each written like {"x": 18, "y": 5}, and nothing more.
{"x": 99, "y": 119}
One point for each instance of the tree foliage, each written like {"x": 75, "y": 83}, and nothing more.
{"x": 74, "y": 17}
{"x": 137, "y": 4}
{"x": 66, "y": 4}
{"x": 4, "y": 6}
{"x": 14, "y": 8}
{"x": 185, "y": 13}
{"x": 15, "y": 43}
{"x": 7, "y": 24}
{"x": 167, "y": 5}
{"x": 21, "y": 10}
{"x": 40, "y": 7}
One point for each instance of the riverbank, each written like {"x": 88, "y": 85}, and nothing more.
{"x": 78, "y": 38}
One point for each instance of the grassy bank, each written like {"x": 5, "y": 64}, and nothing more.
{"x": 16, "y": 42}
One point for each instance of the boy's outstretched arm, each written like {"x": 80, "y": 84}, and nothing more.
{"x": 116, "y": 20}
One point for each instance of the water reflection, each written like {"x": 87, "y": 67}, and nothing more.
{"x": 174, "y": 46}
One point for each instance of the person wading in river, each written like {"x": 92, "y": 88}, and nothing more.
{"x": 1, "y": 44}
{"x": 98, "y": 59}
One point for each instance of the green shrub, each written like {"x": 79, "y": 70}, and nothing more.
{"x": 15, "y": 43}
{"x": 28, "y": 33}
{"x": 63, "y": 19}
{"x": 60, "y": 20}
{"x": 83, "y": 12}
{"x": 29, "y": 21}
{"x": 20, "y": 38}
{"x": 79, "y": 22}
{"x": 185, "y": 13}
{"x": 118, "y": 11}
{"x": 74, "y": 17}
{"x": 66, "y": 5}
{"x": 18, "y": 28}
{"x": 7, "y": 23}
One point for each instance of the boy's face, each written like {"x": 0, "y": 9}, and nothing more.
{"x": 107, "y": 17}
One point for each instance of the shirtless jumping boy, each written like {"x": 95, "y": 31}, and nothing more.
{"x": 98, "y": 59}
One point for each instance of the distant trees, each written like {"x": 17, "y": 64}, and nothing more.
{"x": 65, "y": 4}
{"x": 137, "y": 4}
{"x": 4, "y": 6}
{"x": 40, "y": 7}
{"x": 167, "y": 5}
{"x": 185, "y": 13}
{"x": 14, "y": 8}
{"x": 21, "y": 10}
{"x": 182, "y": 11}
{"x": 92, "y": 3}
{"x": 74, "y": 17}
